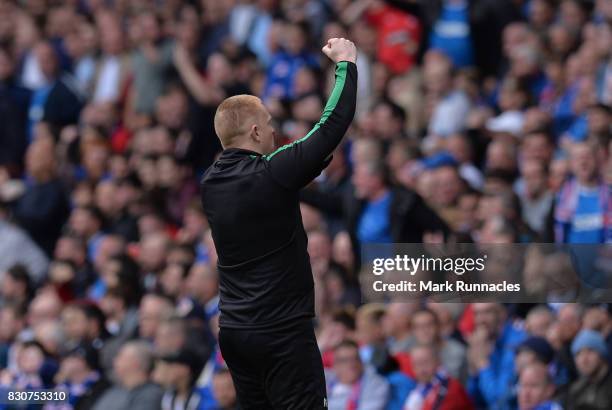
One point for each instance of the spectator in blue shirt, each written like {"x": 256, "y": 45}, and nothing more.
{"x": 584, "y": 204}
{"x": 288, "y": 61}
{"x": 585, "y": 97}
{"x": 378, "y": 211}
{"x": 451, "y": 33}
{"x": 491, "y": 356}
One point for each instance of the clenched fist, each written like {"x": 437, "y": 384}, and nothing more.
{"x": 340, "y": 49}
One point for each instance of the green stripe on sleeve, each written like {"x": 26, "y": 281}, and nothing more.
{"x": 341, "y": 70}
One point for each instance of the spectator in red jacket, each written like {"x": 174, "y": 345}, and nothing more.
{"x": 435, "y": 388}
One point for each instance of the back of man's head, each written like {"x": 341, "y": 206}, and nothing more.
{"x": 233, "y": 116}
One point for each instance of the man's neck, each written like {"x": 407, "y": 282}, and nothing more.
{"x": 80, "y": 377}
{"x": 599, "y": 374}
{"x": 134, "y": 380}
{"x": 378, "y": 194}
{"x": 534, "y": 196}
{"x": 402, "y": 337}
{"x": 352, "y": 381}
{"x": 248, "y": 146}
{"x": 43, "y": 178}
{"x": 119, "y": 316}
{"x": 588, "y": 183}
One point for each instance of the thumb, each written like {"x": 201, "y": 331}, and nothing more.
{"x": 327, "y": 51}
{"x": 328, "y": 46}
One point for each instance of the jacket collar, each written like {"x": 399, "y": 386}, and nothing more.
{"x": 232, "y": 156}
{"x": 237, "y": 152}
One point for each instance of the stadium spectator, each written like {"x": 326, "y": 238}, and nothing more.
{"x": 14, "y": 100}
{"x": 435, "y": 389}
{"x": 583, "y": 204}
{"x": 83, "y": 323}
{"x": 452, "y": 354}
{"x": 397, "y": 326}
{"x": 43, "y": 201}
{"x": 177, "y": 372}
{"x": 449, "y": 316}
{"x": 536, "y": 199}
{"x": 86, "y": 222}
{"x": 447, "y": 186}
{"x": 58, "y": 101}
{"x": 17, "y": 247}
{"x": 222, "y": 394}
{"x": 373, "y": 212}
{"x": 339, "y": 326}
{"x": 151, "y": 61}
{"x": 353, "y": 385}
{"x": 154, "y": 308}
{"x": 536, "y": 389}
{"x": 45, "y": 306}
{"x": 16, "y": 287}
{"x": 451, "y": 105}
{"x": 112, "y": 66}
{"x": 491, "y": 355}
{"x": 14, "y": 321}
{"x": 79, "y": 375}
{"x": 461, "y": 148}
{"x": 369, "y": 332}
{"x": 122, "y": 320}
{"x": 389, "y": 121}
{"x": 597, "y": 318}
{"x": 592, "y": 389}
{"x": 539, "y": 320}
{"x": 133, "y": 388}
{"x": 33, "y": 368}
{"x": 202, "y": 287}
{"x": 538, "y": 350}
{"x": 292, "y": 55}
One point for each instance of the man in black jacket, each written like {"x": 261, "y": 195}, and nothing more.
{"x": 14, "y": 101}
{"x": 375, "y": 211}
{"x": 44, "y": 206}
{"x": 59, "y": 103}
{"x": 250, "y": 196}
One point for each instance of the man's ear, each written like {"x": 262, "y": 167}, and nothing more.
{"x": 255, "y": 133}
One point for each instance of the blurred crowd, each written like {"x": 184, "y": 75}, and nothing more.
{"x": 484, "y": 121}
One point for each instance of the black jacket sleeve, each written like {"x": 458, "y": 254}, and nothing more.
{"x": 295, "y": 165}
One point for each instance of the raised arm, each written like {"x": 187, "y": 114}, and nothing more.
{"x": 296, "y": 164}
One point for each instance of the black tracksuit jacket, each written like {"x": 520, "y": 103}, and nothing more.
{"x": 252, "y": 204}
